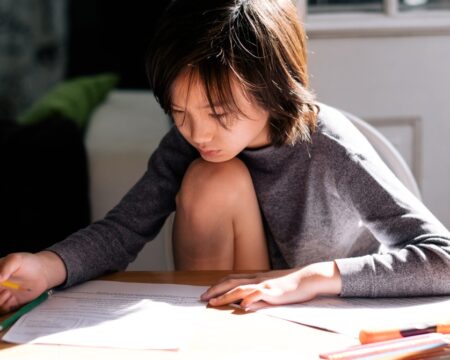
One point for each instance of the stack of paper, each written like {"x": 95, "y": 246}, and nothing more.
{"x": 114, "y": 314}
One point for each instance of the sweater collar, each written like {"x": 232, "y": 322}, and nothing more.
{"x": 271, "y": 157}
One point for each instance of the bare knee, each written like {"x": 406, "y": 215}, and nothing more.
{"x": 207, "y": 185}
{"x": 206, "y": 204}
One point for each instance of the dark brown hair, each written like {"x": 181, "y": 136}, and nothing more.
{"x": 260, "y": 42}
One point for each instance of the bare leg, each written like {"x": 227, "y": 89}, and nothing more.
{"x": 218, "y": 223}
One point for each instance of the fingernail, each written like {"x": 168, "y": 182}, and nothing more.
{"x": 206, "y": 296}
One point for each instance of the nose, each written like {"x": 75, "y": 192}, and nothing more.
{"x": 202, "y": 131}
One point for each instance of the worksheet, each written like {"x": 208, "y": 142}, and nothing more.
{"x": 114, "y": 314}
{"x": 350, "y": 315}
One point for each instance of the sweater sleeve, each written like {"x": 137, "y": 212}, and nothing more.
{"x": 112, "y": 243}
{"x": 414, "y": 256}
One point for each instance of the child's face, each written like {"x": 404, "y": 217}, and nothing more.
{"x": 198, "y": 124}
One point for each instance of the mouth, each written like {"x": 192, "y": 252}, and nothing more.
{"x": 208, "y": 152}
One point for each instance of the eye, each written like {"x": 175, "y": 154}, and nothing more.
{"x": 218, "y": 116}
{"x": 178, "y": 117}
{"x": 225, "y": 119}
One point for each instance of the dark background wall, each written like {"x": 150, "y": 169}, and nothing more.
{"x": 44, "y": 181}
{"x": 111, "y": 35}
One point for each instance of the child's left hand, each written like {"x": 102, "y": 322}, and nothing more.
{"x": 255, "y": 291}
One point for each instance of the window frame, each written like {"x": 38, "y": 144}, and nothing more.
{"x": 390, "y": 22}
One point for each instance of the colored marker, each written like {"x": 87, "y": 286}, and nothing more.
{"x": 391, "y": 349}
{"x": 23, "y": 310}
{"x": 371, "y": 336}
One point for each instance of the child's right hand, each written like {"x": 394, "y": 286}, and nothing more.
{"x": 35, "y": 273}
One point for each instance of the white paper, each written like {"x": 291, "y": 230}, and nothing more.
{"x": 114, "y": 314}
{"x": 350, "y": 315}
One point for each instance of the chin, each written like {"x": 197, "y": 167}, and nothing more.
{"x": 217, "y": 158}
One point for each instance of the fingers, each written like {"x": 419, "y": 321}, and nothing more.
{"x": 257, "y": 305}
{"x": 4, "y": 296}
{"x": 7, "y": 301}
{"x": 251, "y": 297}
{"x": 224, "y": 286}
{"x": 233, "y": 296}
{"x": 8, "y": 265}
{"x": 264, "y": 295}
{"x": 231, "y": 281}
{"x": 255, "y": 296}
{"x": 10, "y": 305}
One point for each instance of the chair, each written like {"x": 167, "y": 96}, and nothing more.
{"x": 387, "y": 152}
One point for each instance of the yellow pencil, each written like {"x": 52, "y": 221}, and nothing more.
{"x": 10, "y": 285}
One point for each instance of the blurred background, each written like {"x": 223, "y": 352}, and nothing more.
{"x": 386, "y": 61}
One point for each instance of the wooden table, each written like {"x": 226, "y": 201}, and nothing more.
{"x": 224, "y": 333}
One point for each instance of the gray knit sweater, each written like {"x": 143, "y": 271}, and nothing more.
{"x": 331, "y": 199}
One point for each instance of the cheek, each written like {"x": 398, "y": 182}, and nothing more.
{"x": 242, "y": 135}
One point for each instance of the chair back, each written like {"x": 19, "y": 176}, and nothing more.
{"x": 387, "y": 152}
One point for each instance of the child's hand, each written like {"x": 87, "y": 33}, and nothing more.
{"x": 255, "y": 291}
{"x": 34, "y": 273}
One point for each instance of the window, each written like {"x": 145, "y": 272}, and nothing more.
{"x": 331, "y": 6}
{"x": 365, "y": 18}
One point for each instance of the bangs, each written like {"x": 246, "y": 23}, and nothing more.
{"x": 217, "y": 81}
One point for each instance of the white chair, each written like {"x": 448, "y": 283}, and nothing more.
{"x": 387, "y": 152}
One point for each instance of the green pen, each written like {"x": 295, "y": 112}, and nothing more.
{"x": 23, "y": 310}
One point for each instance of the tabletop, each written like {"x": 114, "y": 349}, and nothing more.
{"x": 224, "y": 333}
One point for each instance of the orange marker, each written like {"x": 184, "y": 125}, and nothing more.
{"x": 371, "y": 336}
{"x": 392, "y": 349}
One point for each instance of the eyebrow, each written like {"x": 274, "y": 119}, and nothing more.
{"x": 204, "y": 106}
